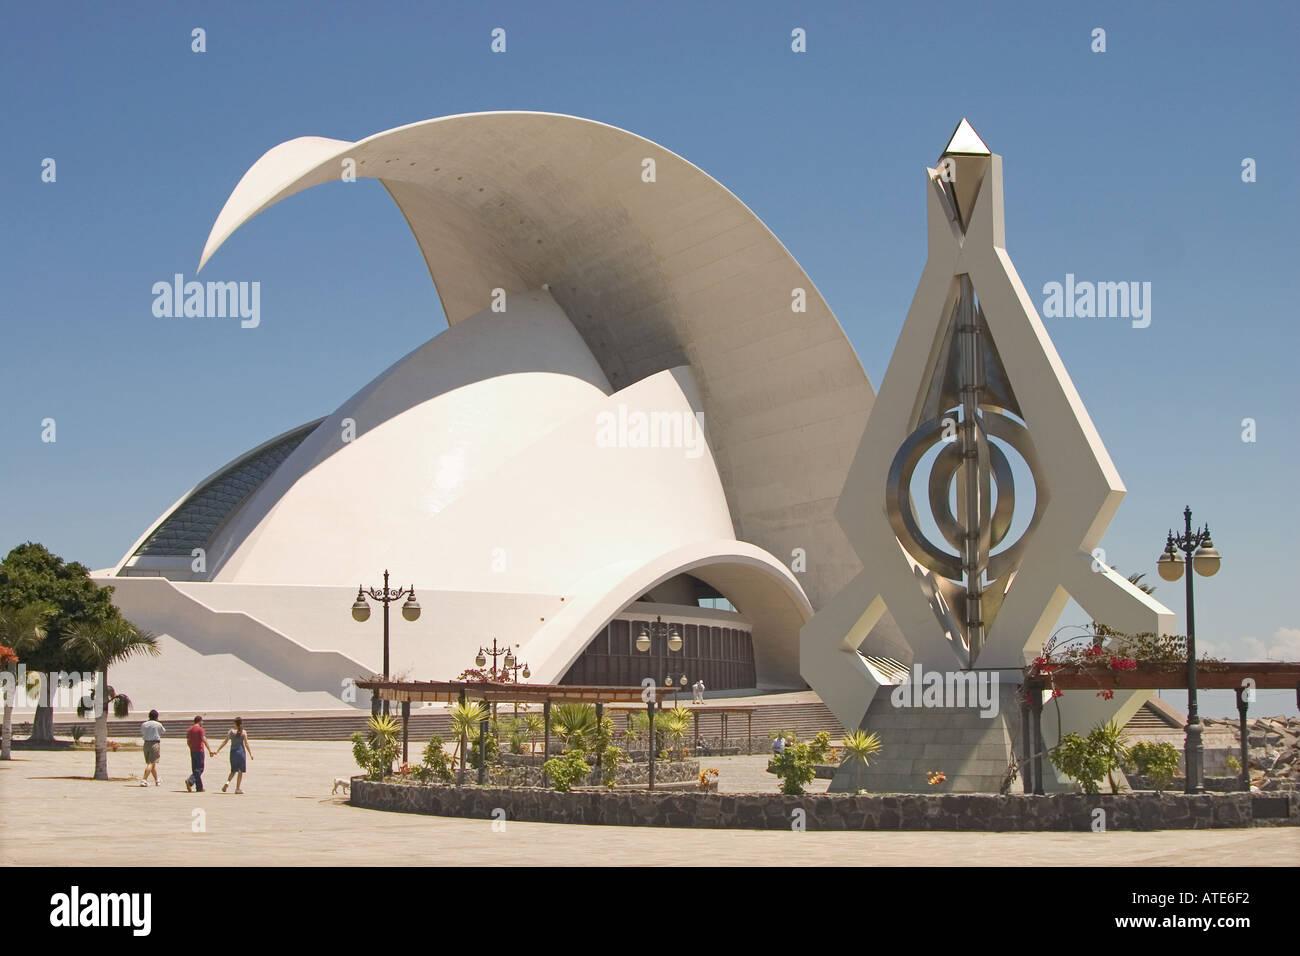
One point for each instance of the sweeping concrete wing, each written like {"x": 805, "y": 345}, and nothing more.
{"x": 655, "y": 272}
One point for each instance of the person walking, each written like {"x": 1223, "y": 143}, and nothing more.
{"x": 238, "y": 741}
{"x": 698, "y": 687}
{"x": 151, "y": 732}
{"x": 198, "y": 742}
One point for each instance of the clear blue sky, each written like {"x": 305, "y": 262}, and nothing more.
{"x": 1123, "y": 165}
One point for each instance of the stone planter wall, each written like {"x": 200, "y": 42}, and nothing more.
{"x": 764, "y": 811}
{"x": 629, "y": 774}
{"x": 1212, "y": 784}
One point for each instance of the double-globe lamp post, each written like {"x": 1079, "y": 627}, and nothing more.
{"x": 361, "y": 610}
{"x": 1199, "y": 552}
{"x": 658, "y": 627}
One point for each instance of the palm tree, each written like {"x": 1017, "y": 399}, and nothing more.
{"x": 465, "y": 718}
{"x": 859, "y": 746}
{"x": 635, "y": 729}
{"x": 1136, "y": 580}
{"x": 102, "y": 645}
{"x": 573, "y": 723}
{"x": 534, "y": 728}
{"x": 677, "y": 725}
{"x": 1114, "y": 746}
{"x": 21, "y": 631}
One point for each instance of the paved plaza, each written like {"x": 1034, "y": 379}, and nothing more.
{"x": 51, "y": 813}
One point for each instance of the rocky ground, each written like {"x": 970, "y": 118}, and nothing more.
{"x": 1274, "y": 750}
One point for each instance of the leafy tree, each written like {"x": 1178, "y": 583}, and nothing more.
{"x": 102, "y": 645}
{"x": 29, "y": 575}
{"x": 21, "y": 632}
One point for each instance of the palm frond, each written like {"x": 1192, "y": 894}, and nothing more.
{"x": 109, "y": 643}
{"x": 23, "y": 629}
{"x": 859, "y": 746}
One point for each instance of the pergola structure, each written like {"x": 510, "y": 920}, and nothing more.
{"x": 492, "y": 693}
{"x": 723, "y": 713}
{"x": 1244, "y": 677}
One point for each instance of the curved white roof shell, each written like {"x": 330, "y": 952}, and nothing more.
{"x": 653, "y": 275}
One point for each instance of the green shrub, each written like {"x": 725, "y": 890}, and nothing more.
{"x": 376, "y": 755}
{"x": 819, "y": 748}
{"x": 796, "y": 765}
{"x": 519, "y": 731}
{"x": 610, "y": 756}
{"x": 1157, "y": 761}
{"x": 1088, "y": 759}
{"x": 610, "y": 759}
{"x": 567, "y": 769}
{"x": 1074, "y": 758}
{"x": 77, "y": 732}
{"x": 490, "y": 744}
{"x": 435, "y": 764}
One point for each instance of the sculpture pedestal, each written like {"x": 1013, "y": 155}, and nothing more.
{"x": 972, "y": 751}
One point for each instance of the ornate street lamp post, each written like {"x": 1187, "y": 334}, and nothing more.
{"x": 1198, "y": 551}
{"x": 361, "y": 610}
{"x": 658, "y": 627}
{"x": 495, "y": 652}
{"x": 675, "y": 685}
{"x": 514, "y": 665}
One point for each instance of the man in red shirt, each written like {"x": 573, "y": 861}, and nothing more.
{"x": 198, "y": 742}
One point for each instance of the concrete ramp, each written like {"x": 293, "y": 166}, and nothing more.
{"x": 223, "y": 660}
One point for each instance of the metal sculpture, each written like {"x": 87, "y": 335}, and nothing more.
{"x": 973, "y": 384}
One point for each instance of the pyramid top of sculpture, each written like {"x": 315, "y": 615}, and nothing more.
{"x": 966, "y": 142}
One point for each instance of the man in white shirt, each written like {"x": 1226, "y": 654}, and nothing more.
{"x": 151, "y": 731}
{"x": 699, "y": 691}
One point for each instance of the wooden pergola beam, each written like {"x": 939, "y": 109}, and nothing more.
{"x": 1211, "y": 675}
{"x": 449, "y": 691}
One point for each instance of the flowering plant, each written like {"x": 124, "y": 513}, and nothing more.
{"x": 936, "y": 777}
{"x": 483, "y": 675}
{"x": 1102, "y": 651}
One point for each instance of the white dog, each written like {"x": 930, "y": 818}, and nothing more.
{"x": 341, "y": 782}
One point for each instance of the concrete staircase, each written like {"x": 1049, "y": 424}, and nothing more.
{"x": 805, "y": 719}
{"x": 340, "y": 727}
